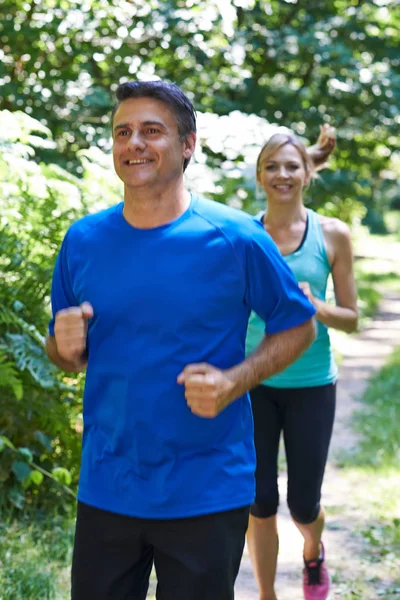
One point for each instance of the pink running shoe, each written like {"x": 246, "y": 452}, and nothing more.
{"x": 316, "y": 580}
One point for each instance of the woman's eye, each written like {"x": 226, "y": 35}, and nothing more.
{"x": 270, "y": 167}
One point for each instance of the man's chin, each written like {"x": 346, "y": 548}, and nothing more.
{"x": 138, "y": 183}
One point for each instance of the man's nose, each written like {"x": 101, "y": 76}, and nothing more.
{"x": 136, "y": 140}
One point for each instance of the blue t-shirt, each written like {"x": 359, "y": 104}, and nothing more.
{"x": 164, "y": 298}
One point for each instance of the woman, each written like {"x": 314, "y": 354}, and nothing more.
{"x": 300, "y": 402}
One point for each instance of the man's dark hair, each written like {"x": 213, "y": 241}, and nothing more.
{"x": 170, "y": 94}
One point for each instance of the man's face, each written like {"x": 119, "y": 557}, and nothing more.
{"x": 147, "y": 150}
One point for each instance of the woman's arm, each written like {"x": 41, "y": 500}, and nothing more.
{"x": 321, "y": 151}
{"x": 344, "y": 315}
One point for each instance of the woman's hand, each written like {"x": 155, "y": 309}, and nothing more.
{"x": 327, "y": 138}
{"x": 306, "y": 289}
{"x": 320, "y": 152}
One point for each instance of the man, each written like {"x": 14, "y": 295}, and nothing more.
{"x": 153, "y": 297}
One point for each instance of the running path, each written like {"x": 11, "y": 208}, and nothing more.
{"x": 363, "y": 354}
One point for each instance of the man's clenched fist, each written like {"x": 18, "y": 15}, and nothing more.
{"x": 70, "y": 331}
{"x": 208, "y": 390}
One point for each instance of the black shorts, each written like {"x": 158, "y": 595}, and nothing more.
{"x": 305, "y": 416}
{"x": 195, "y": 558}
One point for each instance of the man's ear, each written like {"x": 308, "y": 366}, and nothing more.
{"x": 189, "y": 145}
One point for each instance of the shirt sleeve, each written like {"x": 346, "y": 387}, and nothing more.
{"x": 62, "y": 295}
{"x": 271, "y": 288}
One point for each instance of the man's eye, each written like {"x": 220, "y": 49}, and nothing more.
{"x": 152, "y": 131}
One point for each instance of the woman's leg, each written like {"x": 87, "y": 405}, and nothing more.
{"x": 312, "y": 533}
{"x": 308, "y": 428}
{"x": 263, "y": 545}
{"x": 262, "y": 535}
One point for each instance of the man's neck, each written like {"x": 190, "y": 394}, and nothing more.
{"x": 148, "y": 208}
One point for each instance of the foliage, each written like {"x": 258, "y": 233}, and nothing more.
{"x": 370, "y": 289}
{"x": 379, "y": 421}
{"x": 368, "y": 298}
{"x": 31, "y": 555}
{"x": 40, "y": 409}
{"x": 384, "y": 538}
{"x": 290, "y": 63}
{"x": 60, "y": 59}
{"x": 375, "y": 486}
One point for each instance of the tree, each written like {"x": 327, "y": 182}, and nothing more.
{"x": 297, "y": 65}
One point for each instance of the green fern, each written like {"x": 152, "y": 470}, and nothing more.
{"x": 38, "y": 203}
{"x": 32, "y": 357}
{"x": 9, "y": 376}
{"x": 8, "y": 317}
{"x": 26, "y": 347}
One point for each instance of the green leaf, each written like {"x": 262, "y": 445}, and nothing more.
{"x": 26, "y": 453}
{"x": 44, "y": 440}
{"x": 18, "y": 306}
{"x": 62, "y": 475}
{"x": 9, "y": 376}
{"x": 29, "y": 355}
{"x": 36, "y": 477}
{"x": 21, "y": 470}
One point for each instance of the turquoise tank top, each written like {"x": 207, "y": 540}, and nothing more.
{"x": 317, "y": 365}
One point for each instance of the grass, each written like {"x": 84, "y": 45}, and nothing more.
{"x": 379, "y": 421}
{"x": 34, "y": 559}
{"x": 377, "y": 270}
{"x": 370, "y": 288}
{"x": 374, "y": 470}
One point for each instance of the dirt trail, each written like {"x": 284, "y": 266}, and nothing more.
{"x": 363, "y": 355}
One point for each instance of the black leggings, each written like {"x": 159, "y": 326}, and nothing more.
{"x": 305, "y": 415}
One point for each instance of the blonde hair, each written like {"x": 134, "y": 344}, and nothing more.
{"x": 277, "y": 141}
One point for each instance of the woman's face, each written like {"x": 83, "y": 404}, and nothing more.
{"x": 282, "y": 174}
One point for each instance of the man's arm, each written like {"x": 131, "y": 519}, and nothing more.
{"x": 209, "y": 390}
{"x": 274, "y": 354}
{"x": 59, "y": 361}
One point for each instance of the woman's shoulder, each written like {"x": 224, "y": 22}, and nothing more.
{"x": 337, "y": 236}
{"x": 333, "y": 227}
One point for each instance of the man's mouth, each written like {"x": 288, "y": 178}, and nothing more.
{"x": 139, "y": 161}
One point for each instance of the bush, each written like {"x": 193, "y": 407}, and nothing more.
{"x": 40, "y": 407}
{"x": 31, "y": 555}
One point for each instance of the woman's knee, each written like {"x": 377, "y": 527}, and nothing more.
{"x": 304, "y": 513}
{"x": 265, "y": 505}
